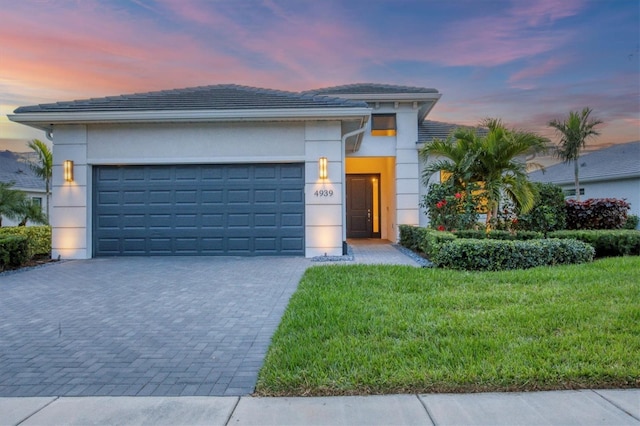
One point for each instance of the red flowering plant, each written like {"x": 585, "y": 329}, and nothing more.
{"x": 450, "y": 208}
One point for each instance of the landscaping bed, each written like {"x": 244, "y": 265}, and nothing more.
{"x": 371, "y": 329}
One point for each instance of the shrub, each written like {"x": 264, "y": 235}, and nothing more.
{"x": 606, "y": 242}
{"x": 498, "y": 235}
{"x": 39, "y": 238}
{"x": 632, "y": 222}
{"x": 14, "y": 251}
{"x": 596, "y": 213}
{"x": 449, "y": 207}
{"x": 409, "y": 237}
{"x": 549, "y": 213}
{"x": 495, "y": 255}
{"x": 431, "y": 241}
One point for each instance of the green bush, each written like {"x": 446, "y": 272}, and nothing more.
{"x": 408, "y": 237}
{"x": 449, "y": 207}
{"x": 39, "y": 238}
{"x": 14, "y": 251}
{"x": 632, "y": 222}
{"x": 498, "y": 235}
{"x": 431, "y": 241}
{"x": 596, "y": 213}
{"x": 496, "y": 255}
{"x": 548, "y": 214}
{"x": 606, "y": 242}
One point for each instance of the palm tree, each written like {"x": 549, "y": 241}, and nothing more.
{"x": 30, "y": 211}
{"x": 494, "y": 161}
{"x": 574, "y": 132}
{"x": 11, "y": 201}
{"x": 502, "y": 165}
{"x": 43, "y": 167}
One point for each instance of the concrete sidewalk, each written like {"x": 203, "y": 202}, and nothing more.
{"x": 585, "y": 407}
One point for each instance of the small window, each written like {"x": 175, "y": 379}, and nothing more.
{"x": 37, "y": 201}
{"x": 383, "y": 124}
{"x": 572, "y": 192}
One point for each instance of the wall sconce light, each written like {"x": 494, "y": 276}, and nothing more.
{"x": 68, "y": 170}
{"x": 322, "y": 168}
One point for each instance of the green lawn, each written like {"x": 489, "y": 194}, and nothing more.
{"x": 362, "y": 329}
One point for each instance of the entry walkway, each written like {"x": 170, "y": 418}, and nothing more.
{"x": 376, "y": 251}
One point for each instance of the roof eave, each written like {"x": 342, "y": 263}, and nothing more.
{"x": 45, "y": 120}
{"x": 389, "y": 97}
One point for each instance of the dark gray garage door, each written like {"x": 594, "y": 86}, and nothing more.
{"x": 240, "y": 209}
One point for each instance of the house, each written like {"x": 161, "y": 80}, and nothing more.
{"x": 15, "y": 170}
{"x": 612, "y": 172}
{"x": 233, "y": 170}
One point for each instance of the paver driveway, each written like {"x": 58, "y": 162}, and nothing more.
{"x": 141, "y": 326}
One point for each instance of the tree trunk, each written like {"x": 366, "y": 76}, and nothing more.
{"x": 576, "y": 180}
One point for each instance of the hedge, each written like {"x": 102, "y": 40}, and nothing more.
{"x": 14, "y": 251}
{"x": 425, "y": 240}
{"x": 619, "y": 242}
{"x": 38, "y": 237}
{"x": 498, "y": 235}
{"x": 596, "y": 213}
{"x": 496, "y": 255}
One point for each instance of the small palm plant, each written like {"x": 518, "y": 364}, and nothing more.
{"x": 43, "y": 167}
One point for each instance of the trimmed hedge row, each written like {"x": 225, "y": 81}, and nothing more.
{"x": 498, "y": 235}
{"x": 424, "y": 240}
{"x": 497, "y": 255}
{"x": 38, "y": 237}
{"x": 14, "y": 251}
{"x": 606, "y": 242}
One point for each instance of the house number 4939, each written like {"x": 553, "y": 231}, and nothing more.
{"x": 324, "y": 193}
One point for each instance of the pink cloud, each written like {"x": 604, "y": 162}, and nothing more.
{"x": 522, "y": 79}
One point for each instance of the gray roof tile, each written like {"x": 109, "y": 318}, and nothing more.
{"x": 14, "y": 170}
{"x": 216, "y": 97}
{"x": 615, "y": 162}
{"x": 429, "y": 130}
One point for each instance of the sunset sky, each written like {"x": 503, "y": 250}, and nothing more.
{"x": 525, "y": 61}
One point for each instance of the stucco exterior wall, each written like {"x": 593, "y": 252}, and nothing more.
{"x": 198, "y": 143}
{"x": 324, "y": 198}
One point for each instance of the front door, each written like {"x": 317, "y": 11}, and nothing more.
{"x": 363, "y": 206}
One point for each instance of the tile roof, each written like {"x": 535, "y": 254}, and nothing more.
{"x": 429, "y": 129}
{"x": 616, "y": 162}
{"x": 14, "y": 170}
{"x": 370, "y": 88}
{"x": 216, "y": 97}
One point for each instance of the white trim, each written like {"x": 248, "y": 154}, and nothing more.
{"x": 196, "y": 160}
{"x": 373, "y": 97}
{"x": 45, "y": 120}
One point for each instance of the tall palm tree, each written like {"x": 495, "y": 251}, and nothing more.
{"x": 43, "y": 167}
{"x": 574, "y": 132}
{"x": 11, "y": 201}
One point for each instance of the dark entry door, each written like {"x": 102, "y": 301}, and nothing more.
{"x": 363, "y": 206}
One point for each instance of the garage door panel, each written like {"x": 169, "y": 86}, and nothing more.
{"x": 199, "y": 209}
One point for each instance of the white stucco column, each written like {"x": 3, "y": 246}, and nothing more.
{"x": 324, "y": 225}
{"x": 69, "y": 201}
{"x": 407, "y": 171}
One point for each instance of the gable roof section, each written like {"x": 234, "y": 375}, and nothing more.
{"x": 429, "y": 130}
{"x": 217, "y": 97}
{"x": 18, "y": 172}
{"x": 616, "y": 162}
{"x": 205, "y": 103}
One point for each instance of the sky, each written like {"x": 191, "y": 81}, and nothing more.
{"x": 523, "y": 61}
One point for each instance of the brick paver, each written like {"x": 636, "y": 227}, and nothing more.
{"x": 141, "y": 326}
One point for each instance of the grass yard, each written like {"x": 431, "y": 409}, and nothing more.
{"x": 363, "y": 329}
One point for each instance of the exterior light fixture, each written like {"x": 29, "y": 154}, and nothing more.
{"x": 68, "y": 170}
{"x": 322, "y": 168}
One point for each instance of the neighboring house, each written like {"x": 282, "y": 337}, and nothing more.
{"x": 14, "y": 169}
{"x": 612, "y": 172}
{"x": 233, "y": 170}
